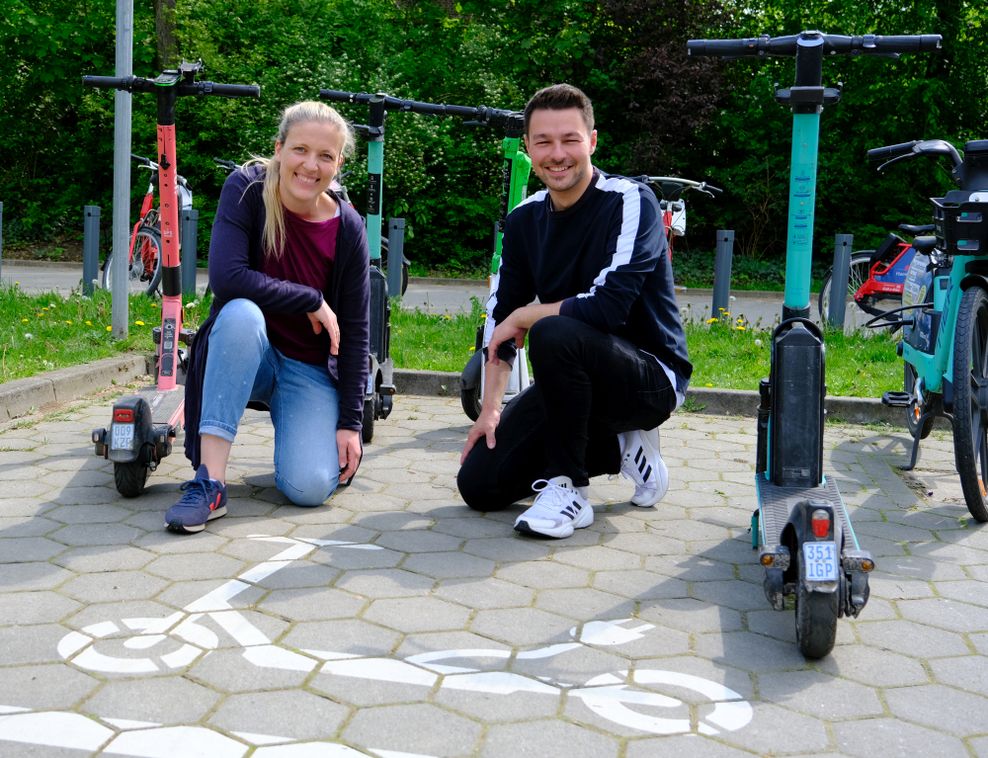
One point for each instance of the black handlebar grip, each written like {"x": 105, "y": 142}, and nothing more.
{"x": 908, "y": 43}
{"x": 108, "y": 82}
{"x": 344, "y": 97}
{"x": 891, "y": 151}
{"x": 727, "y": 47}
{"x": 230, "y": 90}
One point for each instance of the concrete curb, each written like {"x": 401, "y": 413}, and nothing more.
{"x": 24, "y": 396}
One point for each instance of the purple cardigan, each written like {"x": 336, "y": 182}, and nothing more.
{"x": 235, "y": 255}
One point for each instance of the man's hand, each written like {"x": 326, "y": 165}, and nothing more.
{"x": 483, "y": 428}
{"x": 350, "y": 450}
{"x": 324, "y": 318}
{"x": 509, "y": 329}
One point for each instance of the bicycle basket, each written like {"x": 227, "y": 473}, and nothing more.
{"x": 961, "y": 227}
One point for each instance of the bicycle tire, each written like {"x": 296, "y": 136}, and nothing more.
{"x": 858, "y": 270}
{"x": 970, "y": 374}
{"x": 147, "y": 247}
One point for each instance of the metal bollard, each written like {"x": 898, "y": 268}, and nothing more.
{"x": 396, "y": 251}
{"x": 90, "y": 248}
{"x": 188, "y": 229}
{"x": 722, "y": 272}
{"x": 836, "y": 309}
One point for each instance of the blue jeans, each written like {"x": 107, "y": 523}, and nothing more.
{"x": 242, "y": 366}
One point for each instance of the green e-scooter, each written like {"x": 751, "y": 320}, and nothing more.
{"x": 801, "y": 527}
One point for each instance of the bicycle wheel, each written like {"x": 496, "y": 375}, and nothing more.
{"x": 857, "y": 273}
{"x": 971, "y": 400}
{"x": 144, "y": 272}
{"x": 913, "y": 412}
{"x": 816, "y": 616}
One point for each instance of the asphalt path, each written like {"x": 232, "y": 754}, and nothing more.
{"x": 759, "y": 309}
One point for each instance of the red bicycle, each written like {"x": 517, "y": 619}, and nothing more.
{"x": 875, "y": 278}
{"x": 144, "y": 255}
{"x": 670, "y": 191}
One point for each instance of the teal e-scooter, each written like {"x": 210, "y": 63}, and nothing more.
{"x": 801, "y": 527}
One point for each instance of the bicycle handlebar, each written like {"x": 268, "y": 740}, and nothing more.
{"x": 679, "y": 184}
{"x": 182, "y": 88}
{"x": 833, "y": 44}
{"x": 483, "y": 115}
{"x": 891, "y": 151}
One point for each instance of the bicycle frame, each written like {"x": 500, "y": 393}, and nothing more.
{"x": 887, "y": 273}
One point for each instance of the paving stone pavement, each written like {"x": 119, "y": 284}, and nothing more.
{"x": 395, "y": 622}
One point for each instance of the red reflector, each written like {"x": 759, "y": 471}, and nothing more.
{"x": 123, "y": 415}
{"x": 820, "y": 521}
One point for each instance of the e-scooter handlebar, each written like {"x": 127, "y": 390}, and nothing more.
{"x": 481, "y": 115}
{"x": 833, "y": 44}
{"x": 138, "y": 84}
{"x": 891, "y": 151}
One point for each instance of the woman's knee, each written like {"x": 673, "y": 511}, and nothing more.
{"x": 240, "y": 320}
{"x": 308, "y": 489}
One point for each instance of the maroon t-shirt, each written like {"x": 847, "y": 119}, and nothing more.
{"x": 310, "y": 249}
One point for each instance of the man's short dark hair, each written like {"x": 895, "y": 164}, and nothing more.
{"x": 559, "y": 97}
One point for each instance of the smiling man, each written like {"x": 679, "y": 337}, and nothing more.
{"x": 605, "y": 337}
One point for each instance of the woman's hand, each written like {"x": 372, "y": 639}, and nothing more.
{"x": 350, "y": 449}
{"x": 324, "y": 318}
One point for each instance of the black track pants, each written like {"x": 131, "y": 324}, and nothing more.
{"x": 589, "y": 386}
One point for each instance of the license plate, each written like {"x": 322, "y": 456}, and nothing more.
{"x": 820, "y": 561}
{"x": 121, "y": 436}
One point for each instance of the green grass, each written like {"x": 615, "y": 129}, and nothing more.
{"x": 40, "y": 333}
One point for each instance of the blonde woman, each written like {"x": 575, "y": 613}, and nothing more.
{"x": 288, "y": 329}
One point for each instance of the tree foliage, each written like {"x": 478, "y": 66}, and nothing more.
{"x": 658, "y": 111}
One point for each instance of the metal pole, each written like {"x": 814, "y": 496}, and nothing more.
{"x": 90, "y": 248}
{"x": 188, "y": 236}
{"x": 121, "y": 169}
{"x": 396, "y": 251}
{"x": 836, "y": 310}
{"x": 1, "y": 238}
{"x": 722, "y": 272}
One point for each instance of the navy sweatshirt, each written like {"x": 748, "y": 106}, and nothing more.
{"x": 605, "y": 258}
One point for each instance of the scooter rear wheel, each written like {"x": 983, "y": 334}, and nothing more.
{"x": 816, "y": 617}
{"x": 130, "y": 478}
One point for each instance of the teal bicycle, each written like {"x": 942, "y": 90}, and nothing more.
{"x": 801, "y": 527}
{"x": 944, "y": 316}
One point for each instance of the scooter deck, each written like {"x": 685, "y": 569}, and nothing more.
{"x": 167, "y": 406}
{"x": 775, "y": 503}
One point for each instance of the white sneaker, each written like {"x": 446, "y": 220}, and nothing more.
{"x": 642, "y": 464}
{"x": 558, "y": 510}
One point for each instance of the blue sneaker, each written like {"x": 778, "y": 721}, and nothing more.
{"x": 204, "y": 500}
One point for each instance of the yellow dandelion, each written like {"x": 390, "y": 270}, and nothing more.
{"x": 25, "y": 320}
{"x": 88, "y": 322}
{"x": 713, "y": 320}
{"x": 68, "y": 322}
{"x": 740, "y": 328}
{"x": 109, "y": 328}
{"x": 139, "y": 323}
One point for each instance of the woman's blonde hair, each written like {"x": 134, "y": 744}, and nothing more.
{"x": 274, "y": 212}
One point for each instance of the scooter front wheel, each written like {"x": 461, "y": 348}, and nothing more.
{"x": 130, "y": 478}
{"x": 816, "y": 616}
